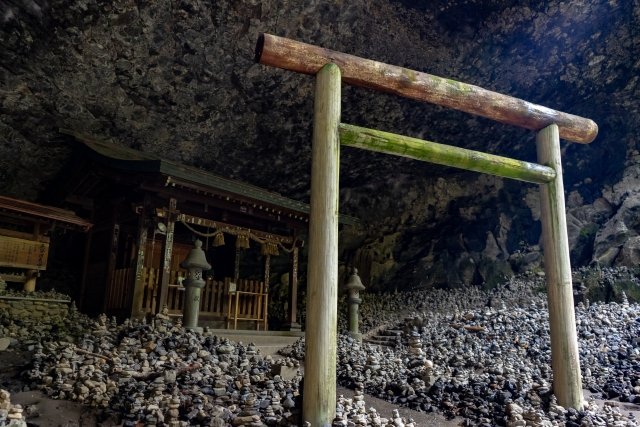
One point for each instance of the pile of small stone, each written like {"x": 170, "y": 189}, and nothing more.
{"x": 10, "y": 415}
{"x": 354, "y": 412}
{"x": 476, "y": 362}
{"x": 390, "y": 308}
{"x": 52, "y": 294}
{"x": 29, "y": 330}
{"x": 157, "y": 373}
{"x": 161, "y": 373}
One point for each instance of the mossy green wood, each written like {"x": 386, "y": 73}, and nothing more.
{"x": 319, "y": 402}
{"x": 308, "y": 59}
{"x": 565, "y": 361}
{"x": 413, "y": 148}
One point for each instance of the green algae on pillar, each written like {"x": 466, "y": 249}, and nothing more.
{"x": 319, "y": 398}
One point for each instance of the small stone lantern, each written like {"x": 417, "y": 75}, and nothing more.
{"x": 195, "y": 263}
{"x": 354, "y": 286}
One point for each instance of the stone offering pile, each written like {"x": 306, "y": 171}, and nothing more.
{"x": 10, "y": 415}
{"x": 486, "y": 357}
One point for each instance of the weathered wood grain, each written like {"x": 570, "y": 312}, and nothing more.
{"x": 319, "y": 405}
{"x": 417, "y": 149}
{"x": 309, "y": 59}
{"x": 565, "y": 361}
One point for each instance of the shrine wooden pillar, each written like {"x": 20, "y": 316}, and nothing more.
{"x": 171, "y": 215}
{"x": 111, "y": 262}
{"x": 267, "y": 272}
{"x": 32, "y": 275}
{"x": 236, "y": 264}
{"x": 85, "y": 265}
{"x": 292, "y": 306}
{"x": 138, "y": 284}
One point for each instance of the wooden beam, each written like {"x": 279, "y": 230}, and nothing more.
{"x": 23, "y": 235}
{"x": 319, "y": 402}
{"x": 417, "y": 149}
{"x": 204, "y": 222}
{"x": 565, "y": 361}
{"x": 288, "y": 217}
{"x": 43, "y": 213}
{"x": 308, "y": 59}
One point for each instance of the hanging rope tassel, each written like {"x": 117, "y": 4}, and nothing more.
{"x": 242, "y": 241}
{"x": 269, "y": 248}
{"x": 218, "y": 239}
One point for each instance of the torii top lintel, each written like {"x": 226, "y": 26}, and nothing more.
{"x": 304, "y": 58}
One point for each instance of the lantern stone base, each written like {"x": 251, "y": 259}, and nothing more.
{"x": 296, "y": 327}
{"x": 356, "y": 336}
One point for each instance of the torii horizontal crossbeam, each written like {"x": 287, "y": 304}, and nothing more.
{"x": 308, "y": 59}
{"x": 446, "y": 155}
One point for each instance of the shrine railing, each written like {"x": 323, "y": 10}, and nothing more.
{"x": 214, "y": 298}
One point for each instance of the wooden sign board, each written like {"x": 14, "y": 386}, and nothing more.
{"x": 22, "y": 253}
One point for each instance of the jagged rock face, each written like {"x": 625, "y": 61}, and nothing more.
{"x": 177, "y": 78}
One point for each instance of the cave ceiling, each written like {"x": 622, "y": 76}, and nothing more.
{"x": 177, "y": 78}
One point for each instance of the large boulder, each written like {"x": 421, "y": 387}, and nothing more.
{"x": 617, "y": 243}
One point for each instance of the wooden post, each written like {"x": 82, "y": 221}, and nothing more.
{"x": 30, "y": 280}
{"x": 85, "y": 267}
{"x": 304, "y": 58}
{"x": 264, "y": 295}
{"x": 567, "y": 383}
{"x": 292, "y": 311}
{"x": 137, "y": 310}
{"x": 168, "y": 250}
{"x": 319, "y": 399}
{"x": 267, "y": 271}
{"x": 111, "y": 264}
{"x": 236, "y": 265}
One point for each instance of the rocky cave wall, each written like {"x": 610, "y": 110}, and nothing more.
{"x": 177, "y": 78}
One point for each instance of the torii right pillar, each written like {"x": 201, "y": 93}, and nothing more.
{"x": 565, "y": 359}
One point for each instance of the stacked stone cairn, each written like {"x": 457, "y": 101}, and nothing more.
{"x": 485, "y": 356}
{"x": 10, "y": 415}
{"x": 480, "y": 356}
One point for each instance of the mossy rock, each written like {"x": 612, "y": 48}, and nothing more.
{"x": 494, "y": 272}
{"x": 582, "y": 252}
{"x": 631, "y": 289}
{"x": 601, "y": 286}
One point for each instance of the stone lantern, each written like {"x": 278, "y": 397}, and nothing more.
{"x": 354, "y": 286}
{"x": 195, "y": 263}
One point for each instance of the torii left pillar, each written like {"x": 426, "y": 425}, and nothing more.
{"x": 319, "y": 398}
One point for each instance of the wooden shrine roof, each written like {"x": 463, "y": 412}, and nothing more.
{"x": 125, "y": 158}
{"x": 37, "y": 211}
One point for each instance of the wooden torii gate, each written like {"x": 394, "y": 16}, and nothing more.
{"x": 330, "y": 69}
